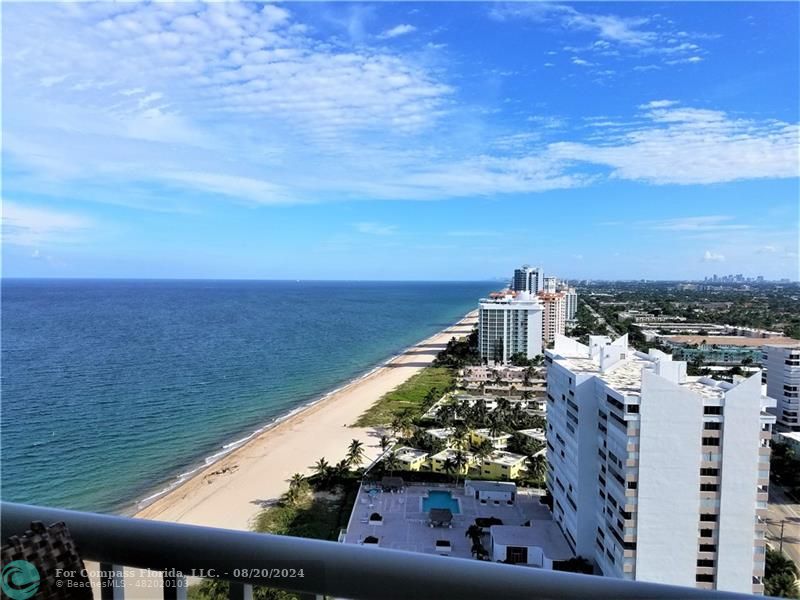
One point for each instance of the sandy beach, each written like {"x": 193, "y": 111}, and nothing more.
{"x": 230, "y": 492}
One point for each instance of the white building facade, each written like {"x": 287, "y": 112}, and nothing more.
{"x": 571, "y": 302}
{"x": 509, "y": 323}
{"x": 657, "y": 476}
{"x": 783, "y": 383}
{"x": 528, "y": 279}
{"x": 550, "y": 285}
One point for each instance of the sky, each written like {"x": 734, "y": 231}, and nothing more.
{"x": 400, "y": 140}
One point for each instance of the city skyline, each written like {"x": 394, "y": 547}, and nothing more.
{"x": 400, "y": 141}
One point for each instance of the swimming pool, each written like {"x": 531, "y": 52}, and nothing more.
{"x": 439, "y": 499}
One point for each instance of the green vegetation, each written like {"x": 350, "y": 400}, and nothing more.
{"x": 460, "y": 352}
{"x": 411, "y": 398}
{"x": 764, "y": 306}
{"x": 780, "y": 576}
{"x": 317, "y": 507}
{"x": 784, "y": 468}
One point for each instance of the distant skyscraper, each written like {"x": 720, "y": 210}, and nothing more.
{"x": 655, "y": 475}
{"x": 508, "y": 323}
{"x": 783, "y": 383}
{"x": 550, "y": 284}
{"x": 528, "y": 279}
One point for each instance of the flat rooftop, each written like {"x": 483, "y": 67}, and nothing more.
{"x": 502, "y": 457}
{"x": 544, "y": 534}
{"x": 409, "y": 454}
{"x": 625, "y": 376}
{"x": 733, "y": 340}
{"x": 405, "y": 524}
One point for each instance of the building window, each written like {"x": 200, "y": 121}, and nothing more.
{"x": 712, "y": 426}
{"x": 709, "y": 517}
{"x": 703, "y": 578}
{"x": 709, "y": 487}
{"x": 712, "y": 410}
{"x": 632, "y": 485}
{"x": 706, "y": 533}
{"x": 705, "y": 562}
{"x": 708, "y": 547}
{"x": 709, "y": 472}
{"x": 710, "y": 441}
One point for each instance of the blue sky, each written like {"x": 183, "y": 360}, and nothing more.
{"x": 400, "y": 140}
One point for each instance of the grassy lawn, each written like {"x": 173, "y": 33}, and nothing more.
{"x": 409, "y": 396}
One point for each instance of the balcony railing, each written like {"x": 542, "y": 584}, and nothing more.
{"x": 330, "y": 569}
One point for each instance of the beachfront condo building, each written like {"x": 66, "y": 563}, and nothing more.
{"x": 550, "y": 284}
{"x": 782, "y": 365}
{"x": 554, "y": 317}
{"x": 509, "y": 323}
{"x": 528, "y": 279}
{"x": 654, "y": 475}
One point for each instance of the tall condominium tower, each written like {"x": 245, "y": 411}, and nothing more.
{"x": 550, "y": 284}
{"x": 657, "y": 476}
{"x": 528, "y": 279}
{"x": 571, "y": 301}
{"x": 508, "y": 323}
{"x": 555, "y": 315}
{"x": 783, "y": 383}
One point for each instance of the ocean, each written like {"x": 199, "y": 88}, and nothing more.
{"x": 113, "y": 389}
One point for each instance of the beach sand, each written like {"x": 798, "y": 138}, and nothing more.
{"x": 231, "y": 492}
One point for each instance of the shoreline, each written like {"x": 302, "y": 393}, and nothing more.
{"x": 250, "y": 473}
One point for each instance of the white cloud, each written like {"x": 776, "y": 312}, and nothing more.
{"x": 710, "y": 256}
{"x": 624, "y": 30}
{"x": 397, "y": 31}
{"x": 692, "y": 146}
{"x": 371, "y": 228}
{"x": 694, "y": 224}
{"x": 581, "y": 62}
{"x": 658, "y": 104}
{"x": 31, "y": 226}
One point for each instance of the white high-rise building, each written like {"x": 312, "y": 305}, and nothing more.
{"x": 550, "y": 285}
{"x": 528, "y": 279}
{"x": 570, "y": 301}
{"x": 555, "y": 315}
{"x": 783, "y": 383}
{"x": 657, "y": 476}
{"x": 508, "y": 323}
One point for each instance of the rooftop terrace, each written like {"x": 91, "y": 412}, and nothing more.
{"x": 405, "y": 525}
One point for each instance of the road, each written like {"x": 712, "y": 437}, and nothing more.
{"x": 781, "y": 508}
{"x": 600, "y": 319}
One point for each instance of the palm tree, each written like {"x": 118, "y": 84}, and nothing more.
{"x": 341, "y": 467}
{"x": 474, "y": 533}
{"x": 484, "y": 449}
{"x": 322, "y": 468}
{"x": 384, "y": 442}
{"x": 495, "y": 427}
{"x": 449, "y": 466}
{"x": 536, "y": 466}
{"x": 780, "y": 575}
{"x": 390, "y": 463}
{"x": 355, "y": 453}
{"x": 402, "y": 425}
{"x": 460, "y": 460}
{"x": 297, "y": 483}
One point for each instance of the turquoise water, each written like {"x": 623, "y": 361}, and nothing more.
{"x": 113, "y": 389}
{"x": 440, "y": 499}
